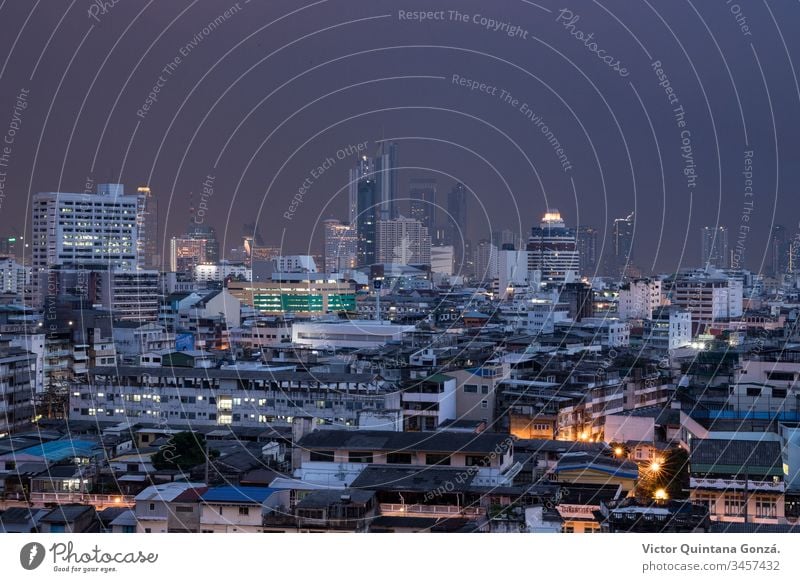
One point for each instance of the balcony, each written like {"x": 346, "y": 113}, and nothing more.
{"x": 737, "y": 485}
{"x": 400, "y": 510}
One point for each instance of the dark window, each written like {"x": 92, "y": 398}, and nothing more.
{"x": 477, "y": 461}
{"x": 322, "y": 456}
{"x": 436, "y": 459}
{"x": 244, "y": 511}
{"x": 754, "y": 391}
{"x": 778, "y": 393}
{"x": 399, "y": 458}
{"x": 359, "y": 457}
{"x": 781, "y": 376}
{"x": 471, "y": 388}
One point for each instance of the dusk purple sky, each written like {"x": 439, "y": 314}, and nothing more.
{"x": 278, "y": 86}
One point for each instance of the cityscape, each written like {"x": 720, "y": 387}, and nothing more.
{"x": 381, "y": 340}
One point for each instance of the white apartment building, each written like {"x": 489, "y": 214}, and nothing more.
{"x": 219, "y": 272}
{"x": 639, "y": 298}
{"x": 295, "y": 264}
{"x": 403, "y": 241}
{"x": 85, "y": 229}
{"x": 13, "y": 276}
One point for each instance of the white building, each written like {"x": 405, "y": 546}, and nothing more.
{"x": 347, "y": 334}
{"x": 442, "y": 257}
{"x": 85, "y": 229}
{"x": 403, "y": 241}
{"x": 639, "y": 298}
{"x": 512, "y": 271}
{"x": 668, "y": 329}
{"x": 13, "y": 276}
{"x": 221, "y": 271}
{"x": 295, "y": 264}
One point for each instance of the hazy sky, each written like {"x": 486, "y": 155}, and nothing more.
{"x": 259, "y": 98}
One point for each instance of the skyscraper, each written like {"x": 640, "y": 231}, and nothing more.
{"x": 587, "y": 249}
{"x": 778, "y": 251}
{"x": 552, "y": 249}
{"x": 404, "y": 241}
{"x": 622, "y": 243}
{"x": 341, "y": 246}
{"x": 366, "y": 219}
{"x": 385, "y": 168}
{"x": 200, "y": 231}
{"x": 456, "y": 222}
{"x": 485, "y": 261}
{"x": 147, "y": 227}
{"x": 422, "y": 205}
{"x": 714, "y": 247}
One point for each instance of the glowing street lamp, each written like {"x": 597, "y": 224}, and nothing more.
{"x": 655, "y": 466}
{"x": 661, "y": 495}
{"x": 618, "y": 451}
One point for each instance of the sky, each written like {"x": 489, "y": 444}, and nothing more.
{"x": 595, "y": 108}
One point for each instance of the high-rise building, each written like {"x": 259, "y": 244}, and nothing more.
{"x": 404, "y": 241}
{"x": 503, "y": 238}
{"x": 147, "y": 228}
{"x": 13, "y": 276}
{"x": 456, "y": 222}
{"x": 639, "y": 298}
{"x": 587, "y": 249}
{"x": 442, "y": 259}
{"x": 199, "y": 231}
{"x": 552, "y": 250}
{"x": 422, "y": 204}
{"x": 186, "y": 253}
{"x": 622, "y": 243}
{"x": 385, "y": 167}
{"x": 11, "y": 246}
{"x": 779, "y": 250}
{"x": 366, "y": 221}
{"x": 85, "y": 229}
{"x": 341, "y": 246}
{"x": 714, "y": 247}
{"x": 485, "y": 261}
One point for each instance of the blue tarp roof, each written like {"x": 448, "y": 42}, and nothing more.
{"x": 238, "y": 494}
{"x": 55, "y": 451}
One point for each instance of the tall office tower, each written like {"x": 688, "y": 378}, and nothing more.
{"x": 73, "y": 230}
{"x": 714, "y": 247}
{"x": 793, "y": 265}
{"x": 147, "y": 227}
{"x": 187, "y": 252}
{"x": 199, "y": 231}
{"x": 587, "y": 249}
{"x": 404, "y": 241}
{"x": 505, "y": 237}
{"x": 778, "y": 251}
{"x": 362, "y": 171}
{"x": 622, "y": 243}
{"x": 456, "y": 222}
{"x": 385, "y": 168}
{"x": 422, "y": 205}
{"x": 552, "y": 249}
{"x": 341, "y": 246}
{"x": 485, "y": 261}
{"x": 366, "y": 220}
